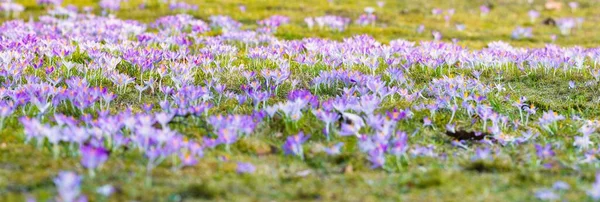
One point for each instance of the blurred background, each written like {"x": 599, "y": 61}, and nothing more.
{"x": 472, "y": 23}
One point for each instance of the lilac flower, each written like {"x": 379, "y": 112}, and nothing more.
{"x": 560, "y": 185}
{"x": 188, "y": 159}
{"x": 572, "y": 85}
{"x": 424, "y": 151}
{"x": 105, "y": 190}
{"x": 11, "y": 8}
{"x": 484, "y": 10}
{"x": 273, "y": 22}
{"x": 427, "y": 122}
{"x": 482, "y": 154}
{"x": 451, "y": 128}
{"x": 293, "y": 109}
{"x": 377, "y": 157}
{"x": 420, "y": 29}
{"x": 92, "y": 157}
{"x": 227, "y": 136}
{"x": 351, "y": 124}
{"x": 533, "y": 15}
{"x": 110, "y": 5}
{"x": 522, "y": 32}
{"x": 366, "y": 19}
{"x": 210, "y": 142}
{"x": 336, "y": 23}
{"x": 6, "y": 110}
{"x": 271, "y": 110}
{"x": 594, "y": 191}
{"x": 546, "y": 195}
{"x": 309, "y": 22}
{"x": 436, "y": 35}
{"x": 164, "y": 118}
{"x": 566, "y": 25}
{"x": 574, "y": 5}
{"x": 328, "y": 118}
{"x": 582, "y": 142}
{"x": 224, "y": 22}
{"x": 526, "y": 136}
{"x": 182, "y": 6}
{"x": 49, "y": 2}
{"x": 544, "y": 152}
{"x": 293, "y": 145}
{"x": 436, "y": 11}
{"x": 335, "y": 149}
{"x": 68, "y": 186}
{"x": 399, "y": 145}
{"x": 399, "y": 115}
{"x": 245, "y": 168}
{"x": 549, "y": 119}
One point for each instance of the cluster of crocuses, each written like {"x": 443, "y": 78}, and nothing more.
{"x": 522, "y": 32}
{"x": 182, "y": 6}
{"x": 331, "y": 22}
{"x": 10, "y": 8}
{"x": 95, "y": 138}
{"x": 272, "y": 23}
{"x": 565, "y": 25}
{"x": 49, "y": 2}
{"x": 224, "y": 22}
{"x": 110, "y": 5}
{"x": 87, "y": 86}
{"x": 366, "y": 19}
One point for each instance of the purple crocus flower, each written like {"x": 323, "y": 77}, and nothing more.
{"x": 424, "y": 151}
{"x": 245, "y": 168}
{"x": 399, "y": 145}
{"x": 92, "y": 157}
{"x": 522, "y": 32}
{"x": 68, "y": 186}
{"x": 399, "y": 115}
{"x": 572, "y": 85}
{"x": 533, "y": 15}
{"x": 227, "y": 136}
{"x": 437, "y": 36}
{"x": 328, "y": 118}
{"x": 560, "y": 185}
{"x": 188, "y": 159}
{"x": 594, "y": 191}
{"x": 335, "y": 150}
{"x": 546, "y": 195}
{"x": 427, "y": 122}
{"x": 544, "y": 152}
{"x": 420, "y": 29}
{"x": 484, "y": 10}
{"x": 582, "y": 142}
{"x": 293, "y": 145}
{"x": 574, "y": 5}
{"x": 105, "y": 190}
{"x": 377, "y": 157}
{"x": 482, "y": 154}
{"x": 111, "y": 5}
{"x": 451, "y": 128}
{"x": 351, "y": 125}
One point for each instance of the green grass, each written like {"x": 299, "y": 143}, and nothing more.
{"x": 25, "y": 169}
